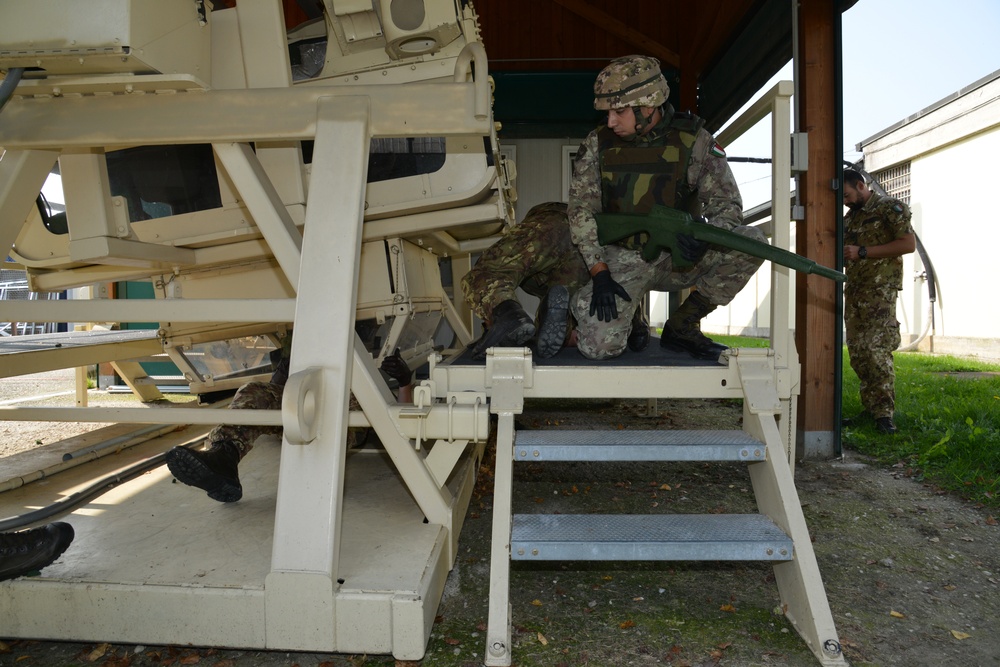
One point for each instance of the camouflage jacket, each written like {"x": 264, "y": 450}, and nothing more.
{"x": 708, "y": 175}
{"x": 880, "y": 220}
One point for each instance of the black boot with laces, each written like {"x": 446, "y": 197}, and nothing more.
{"x": 215, "y": 470}
{"x": 28, "y": 551}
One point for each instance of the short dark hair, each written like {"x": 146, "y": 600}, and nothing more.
{"x": 853, "y": 177}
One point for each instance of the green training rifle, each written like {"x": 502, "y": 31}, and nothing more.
{"x": 663, "y": 224}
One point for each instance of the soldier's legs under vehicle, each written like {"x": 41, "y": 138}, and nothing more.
{"x": 216, "y": 470}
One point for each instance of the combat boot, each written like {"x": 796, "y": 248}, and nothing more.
{"x": 30, "y": 550}
{"x": 638, "y": 336}
{"x": 885, "y": 425}
{"x": 511, "y": 328}
{"x": 682, "y": 332}
{"x": 215, "y": 470}
{"x": 553, "y": 322}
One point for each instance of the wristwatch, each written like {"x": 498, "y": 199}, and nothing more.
{"x": 863, "y": 252}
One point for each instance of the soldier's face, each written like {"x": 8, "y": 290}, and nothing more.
{"x": 855, "y": 196}
{"x": 622, "y": 121}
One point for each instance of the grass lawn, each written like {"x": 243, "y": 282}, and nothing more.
{"x": 948, "y": 415}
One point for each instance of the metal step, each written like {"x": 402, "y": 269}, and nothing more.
{"x": 545, "y": 445}
{"x": 649, "y": 537}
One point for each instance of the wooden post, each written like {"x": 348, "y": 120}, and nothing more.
{"x": 815, "y": 312}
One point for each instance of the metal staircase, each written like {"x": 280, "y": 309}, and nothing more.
{"x": 777, "y": 533}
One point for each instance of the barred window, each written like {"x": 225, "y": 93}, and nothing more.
{"x": 895, "y": 181}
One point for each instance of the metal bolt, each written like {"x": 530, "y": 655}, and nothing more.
{"x": 520, "y": 552}
{"x": 536, "y": 453}
{"x": 784, "y": 552}
{"x": 498, "y": 648}
{"x": 770, "y": 552}
{"x": 523, "y": 453}
{"x": 534, "y": 552}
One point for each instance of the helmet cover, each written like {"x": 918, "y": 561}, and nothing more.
{"x": 631, "y": 81}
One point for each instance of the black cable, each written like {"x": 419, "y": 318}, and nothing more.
{"x": 72, "y": 501}
{"x": 9, "y": 84}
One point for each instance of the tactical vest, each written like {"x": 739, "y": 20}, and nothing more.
{"x": 637, "y": 176}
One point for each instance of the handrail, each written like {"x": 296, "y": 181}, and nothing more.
{"x": 475, "y": 53}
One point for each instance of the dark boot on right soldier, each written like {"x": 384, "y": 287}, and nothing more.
{"x": 638, "y": 335}
{"x": 553, "y": 322}
{"x": 682, "y": 332}
{"x": 511, "y": 328}
{"x": 215, "y": 470}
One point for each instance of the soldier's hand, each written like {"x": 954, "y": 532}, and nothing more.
{"x": 396, "y": 368}
{"x": 691, "y": 249}
{"x": 603, "y": 302}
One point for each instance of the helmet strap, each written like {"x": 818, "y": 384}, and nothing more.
{"x": 640, "y": 120}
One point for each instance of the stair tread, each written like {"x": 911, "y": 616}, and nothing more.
{"x": 571, "y": 445}
{"x": 592, "y": 437}
{"x": 648, "y": 537}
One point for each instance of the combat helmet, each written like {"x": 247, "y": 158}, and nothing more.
{"x": 631, "y": 81}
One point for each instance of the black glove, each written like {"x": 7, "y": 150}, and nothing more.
{"x": 603, "y": 301}
{"x": 396, "y": 368}
{"x": 691, "y": 249}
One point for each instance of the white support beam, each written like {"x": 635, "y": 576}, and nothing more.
{"x": 305, "y": 558}
{"x": 270, "y": 114}
{"x": 151, "y": 310}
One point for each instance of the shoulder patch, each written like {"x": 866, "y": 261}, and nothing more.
{"x": 897, "y": 207}
{"x": 717, "y": 150}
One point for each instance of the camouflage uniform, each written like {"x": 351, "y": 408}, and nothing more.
{"x": 534, "y": 255}
{"x": 709, "y": 189}
{"x": 870, "y": 300}
{"x": 263, "y": 396}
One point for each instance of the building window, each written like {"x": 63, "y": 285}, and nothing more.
{"x": 895, "y": 181}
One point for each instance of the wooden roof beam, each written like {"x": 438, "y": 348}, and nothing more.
{"x": 610, "y": 24}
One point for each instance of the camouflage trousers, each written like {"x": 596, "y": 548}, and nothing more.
{"x": 718, "y": 277}
{"x": 872, "y": 337}
{"x": 260, "y": 396}
{"x": 534, "y": 255}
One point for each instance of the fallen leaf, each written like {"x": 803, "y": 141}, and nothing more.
{"x": 537, "y": 603}
{"x": 990, "y": 521}
{"x": 727, "y": 607}
{"x": 959, "y": 635}
{"x": 542, "y": 640}
{"x": 665, "y": 487}
{"x": 4, "y": 648}
{"x": 625, "y": 625}
{"x": 896, "y": 614}
{"x": 950, "y": 587}
{"x": 98, "y": 652}
{"x": 192, "y": 659}
{"x": 451, "y": 641}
